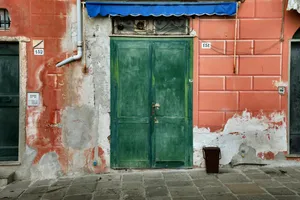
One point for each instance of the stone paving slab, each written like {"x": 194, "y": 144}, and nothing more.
{"x": 268, "y": 183}
{"x": 220, "y": 197}
{"x": 280, "y": 191}
{"x": 256, "y": 197}
{"x": 258, "y": 176}
{"x": 287, "y": 197}
{"x": 237, "y": 178}
{"x": 195, "y": 184}
{"x": 250, "y": 188}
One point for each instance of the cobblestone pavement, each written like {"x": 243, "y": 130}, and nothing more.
{"x": 245, "y": 184}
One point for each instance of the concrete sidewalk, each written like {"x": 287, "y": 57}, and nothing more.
{"x": 245, "y": 184}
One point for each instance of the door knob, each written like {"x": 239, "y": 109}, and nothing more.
{"x": 155, "y": 120}
{"x": 156, "y": 106}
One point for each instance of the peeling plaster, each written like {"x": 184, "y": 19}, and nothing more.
{"x": 77, "y": 125}
{"x": 77, "y": 163}
{"x": 294, "y": 5}
{"x": 32, "y": 122}
{"x": 47, "y": 168}
{"x": 280, "y": 83}
{"x": 23, "y": 171}
{"x": 260, "y": 133}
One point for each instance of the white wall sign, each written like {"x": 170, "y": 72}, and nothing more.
{"x": 206, "y": 45}
{"x": 39, "y": 52}
{"x": 33, "y": 99}
{"x": 38, "y": 47}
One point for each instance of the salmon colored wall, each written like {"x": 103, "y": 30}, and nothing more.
{"x": 262, "y": 60}
{"x": 42, "y": 20}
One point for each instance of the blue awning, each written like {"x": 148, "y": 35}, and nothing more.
{"x": 160, "y": 9}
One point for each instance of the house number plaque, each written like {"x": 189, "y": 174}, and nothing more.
{"x": 33, "y": 99}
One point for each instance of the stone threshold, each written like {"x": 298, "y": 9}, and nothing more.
{"x": 292, "y": 156}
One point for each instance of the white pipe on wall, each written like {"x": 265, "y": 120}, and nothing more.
{"x": 79, "y": 38}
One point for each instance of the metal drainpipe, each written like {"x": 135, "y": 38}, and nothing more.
{"x": 79, "y": 38}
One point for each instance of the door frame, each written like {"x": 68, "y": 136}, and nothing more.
{"x": 289, "y": 94}
{"x": 189, "y": 84}
{"x": 22, "y": 95}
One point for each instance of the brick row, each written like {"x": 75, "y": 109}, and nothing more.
{"x": 237, "y": 83}
{"x": 224, "y": 29}
{"x": 261, "y": 9}
{"x": 217, "y": 119}
{"x": 243, "y": 47}
{"x": 235, "y": 101}
{"x": 246, "y": 65}
{"x": 49, "y": 7}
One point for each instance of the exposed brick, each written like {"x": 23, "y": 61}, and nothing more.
{"x": 268, "y": 101}
{"x": 54, "y": 117}
{"x": 260, "y": 65}
{"x": 51, "y": 80}
{"x": 217, "y": 29}
{"x": 230, "y": 114}
{"x": 52, "y": 45}
{"x": 242, "y": 47}
{"x": 238, "y": 83}
{"x": 211, "y": 119}
{"x": 267, "y": 47}
{"x": 268, "y": 8}
{"x": 41, "y": 20}
{"x": 265, "y": 82}
{"x": 60, "y": 81}
{"x": 218, "y": 47}
{"x": 61, "y": 7}
{"x": 284, "y": 103}
{"x": 247, "y": 9}
{"x": 45, "y": 25}
{"x": 216, "y": 101}
{"x": 260, "y": 28}
{"x": 42, "y": 7}
{"x": 55, "y": 99}
{"x": 222, "y": 65}
{"x": 211, "y": 83}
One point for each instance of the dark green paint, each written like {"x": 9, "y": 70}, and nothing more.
{"x": 146, "y": 71}
{"x": 9, "y": 101}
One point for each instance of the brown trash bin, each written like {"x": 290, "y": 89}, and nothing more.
{"x": 212, "y": 155}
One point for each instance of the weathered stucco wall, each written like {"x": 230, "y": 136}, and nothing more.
{"x": 69, "y": 133}
{"x": 81, "y": 124}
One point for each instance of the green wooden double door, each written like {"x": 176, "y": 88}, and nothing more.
{"x": 151, "y": 102}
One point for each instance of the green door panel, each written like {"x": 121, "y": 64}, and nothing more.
{"x": 145, "y": 71}
{"x": 133, "y": 145}
{"x": 9, "y": 101}
{"x": 9, "y": 133}
{"x": 131, "y": 70}
{"x": 170, "y": 69}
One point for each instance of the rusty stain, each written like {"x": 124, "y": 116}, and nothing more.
{"x": 89, "y": 155}
{"x": 85, "y": 70}
{"x": 266, "y": 155}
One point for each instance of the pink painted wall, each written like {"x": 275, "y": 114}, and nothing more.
{"x": 262, "y": 61}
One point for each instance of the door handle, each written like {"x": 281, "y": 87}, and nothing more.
{"x": 155, "y": 120}
{"x": 155, "y": 106}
